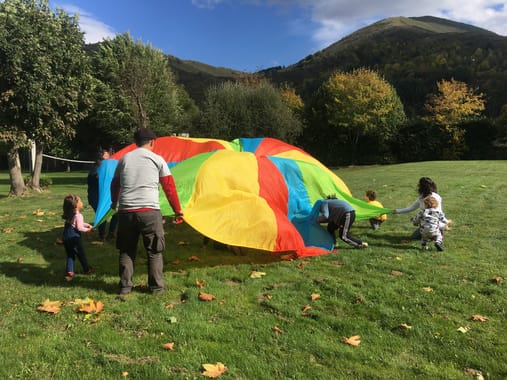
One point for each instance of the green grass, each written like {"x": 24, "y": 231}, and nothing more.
{"x": 367, "y": 292}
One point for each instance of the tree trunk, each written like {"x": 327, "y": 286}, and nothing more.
{"x": 17, "y": 183}
{"x": 37, "y": 168}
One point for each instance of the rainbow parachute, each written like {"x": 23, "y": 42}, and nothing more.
{"x": 250, "y": 192}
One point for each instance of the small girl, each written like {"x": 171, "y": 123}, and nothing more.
{"x": 371, "y": 198}
{"x": 74, "y": 225}
{"x": 430, "y": 221}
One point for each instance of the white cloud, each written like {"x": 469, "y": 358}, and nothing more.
{"x": 94, "y": 30}
{"x": 336, "y": 19}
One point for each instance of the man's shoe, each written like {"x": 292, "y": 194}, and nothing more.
{"x": 439, "y": 246}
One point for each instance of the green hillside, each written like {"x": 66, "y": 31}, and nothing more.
{"x": 413, "y": 53}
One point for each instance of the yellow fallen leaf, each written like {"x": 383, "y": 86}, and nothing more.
{"x": 255, "y": 274}
{"x": 206, "y": 297}
{"x": 405, "y": 326}
{"x": 38, "y": 212}
{"x": 306, "y": 308}
{"x": 464, "y": 329}
{"x": 50, "y": 306}
{"x": 214, "y": 370}
{"x": 277, "y": 330}
{"x": 354, "y": 340}
{"x": 427, "y": 289}
{"x": 200, "y": 283}
{"x": 314, "y": 296}
{"x": 124, "y": 374}
{"x": 168, "y": 346}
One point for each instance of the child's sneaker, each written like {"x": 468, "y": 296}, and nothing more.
{"x": 424, "y": 247}
{"x": 69, "y": 276}
{"x": 439, "y": 246}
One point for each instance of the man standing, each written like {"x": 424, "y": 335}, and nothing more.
{"x": 135, "y": 194}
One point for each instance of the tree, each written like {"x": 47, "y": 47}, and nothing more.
{"x": 355, "y": 106}
{"x": 44, "y": 80}
{"x": 454, "y": 104}
{"x": 134, "y": 88}
{"x": 248, "y": 109}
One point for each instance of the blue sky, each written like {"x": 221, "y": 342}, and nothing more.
{"x": 250, "y": 35}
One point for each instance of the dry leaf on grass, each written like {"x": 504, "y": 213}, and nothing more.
{"x": 396, "y": 273}
{"x": 277, "y": 330}
{"x": 465, "y": 329}
{"x": 405, "y": 326}
{"x": 38, "y": 212}
{"x": 193, "y": 258}
{"x": 168, "y": 346}
{"x": 479, "y": 318}
{"x": 314, "y": 296}
{"x": 354, "y": 340}
{"x": 200, "y": 283}
{"x": 427, "y": 289}
{"x": 206, "y": 297}
{"x": 52, "y": 307}
{"x": 8, "y": 230}
{"x": 255, "y": 274}
{"x": 214, "y": 370}
{"x": 89, "y": 306}
{"x": 497, "y": 279}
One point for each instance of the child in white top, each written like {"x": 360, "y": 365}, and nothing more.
{"x": 430, "y": 221}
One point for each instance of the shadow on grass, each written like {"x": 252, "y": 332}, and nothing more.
{"x": 185, "y": 250}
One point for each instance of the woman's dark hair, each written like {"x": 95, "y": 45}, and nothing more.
{"x": 426, "y": 186}
{"x": 69, "y": 207}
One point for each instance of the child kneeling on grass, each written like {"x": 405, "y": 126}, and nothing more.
{"x": 74, "y": 225}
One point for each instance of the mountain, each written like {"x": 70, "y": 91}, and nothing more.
{"x": 412, "y": 53}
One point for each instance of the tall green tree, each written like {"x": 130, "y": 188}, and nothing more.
{"x": 248, "y": 109}
{"x": 44, "y": 80}
{"x": 134, "y": 88}
{"x": 454, "y": 104}
{"x": 351, "y": 107}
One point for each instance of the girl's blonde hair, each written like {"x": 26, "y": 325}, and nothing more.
{"x": 430, "y": 202}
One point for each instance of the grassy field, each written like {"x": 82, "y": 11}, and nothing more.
{"x": 419, "y": 315}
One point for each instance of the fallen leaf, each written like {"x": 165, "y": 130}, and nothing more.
{"x": 476, "y": 374}
{"x": 176, "y": 262}
{"x": 277, "y": 330}
{"x": 168, "y": 346}
{"x": 8, "y": 230}
{"x": 19, "y": 259}
{"x": 354, "y": 340}
{"x": 314, "y": 296}
{"x": 405, "y": 326}
{"x": 58, "y": 241}
{"x": 497, "y": 279}
{"x": 183, "y": 243}
{"x": 89, "y": 306}
{"x": 427, "y": 289}
{"x": 50, "y": 306}
{"x": 359, "y": 299}
{"x": 200, "y": 283}
{"x": 124, "y": 374}
{"x": 464, "y": 329}
{"x": 38, "y": 212}
{"x": 255, "y": 274}
{"x": 396, "y": 273}
{"x": 306, "y": 308}
{"x": 214, "y": 370}
{"x": 206, "y": 297}
{"x": 193, "y": 258}
{"x": 479, "y": 318}
{"x": 169, "y": 306}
